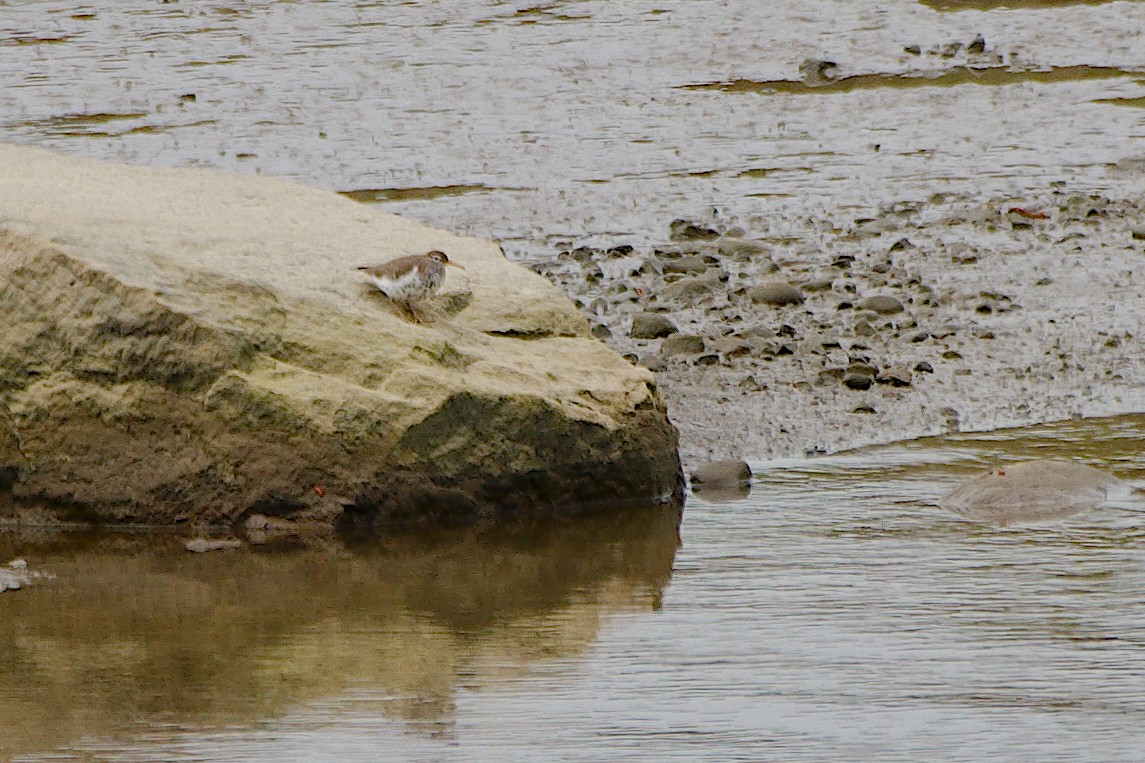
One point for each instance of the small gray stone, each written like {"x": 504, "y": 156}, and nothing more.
{"x": 829, "y": 376}
{"x": 653, "y": 361}
{"x": 690, "y": 231}
{"x": 776, "y": 293}
{"x": 881, "y": 303}
{"x": 725, "y": 473}
{"x": 897, "y": 377}
{"x": 858, "y": 380}
{"x": 731, "y": 347}
{"x": 682, "y": 344}
{"x": 690, "y": 263}
{"x": 742, "y": 250}
{"x": 692, "y": 288}
{"x": 752, "y": 384}
{"x": 651, "y": 326}
{"x": 819, "y": 282}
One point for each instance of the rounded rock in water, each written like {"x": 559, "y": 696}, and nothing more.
{"x": 1031, "y": 491}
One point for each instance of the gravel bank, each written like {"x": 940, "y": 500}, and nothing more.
{"x": 797, "y": 335}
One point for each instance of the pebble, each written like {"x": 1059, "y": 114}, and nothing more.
{"x": 741, "y": 250}
{"x": 896, "y": 376}
{"x": 731, "y": 347}
{"x": 882, "y": 304}
{"x": 723, "y": 473}
{"x": 690, "y": 231}
{"x": 689, "y": 264}
{"x": 692, "y": 288}
{"x": 776, "y": 293}
{"x": 819, "y": 282}
{"x": 651, "y": 326}
{"x": 858, "y": 382}
{"x": 682, "y": 344}
{"x": 653, "y": 361}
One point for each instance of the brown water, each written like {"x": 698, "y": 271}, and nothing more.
{"x": 833, "y": 614}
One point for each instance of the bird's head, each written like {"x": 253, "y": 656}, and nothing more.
{"x": 440, "y": 257}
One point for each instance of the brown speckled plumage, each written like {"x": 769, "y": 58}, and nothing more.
{"x": 409, "y": 280}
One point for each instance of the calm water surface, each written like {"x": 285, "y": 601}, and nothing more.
{"x": 833, "y": 614}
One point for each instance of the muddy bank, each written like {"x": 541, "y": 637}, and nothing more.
{"x": 813, "y": 333}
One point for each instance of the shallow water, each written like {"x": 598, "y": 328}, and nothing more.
{"x": 835, "y": 613}
{"x": 591, "y": 121}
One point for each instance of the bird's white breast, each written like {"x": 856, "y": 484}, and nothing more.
{"x": 400, "y": 287}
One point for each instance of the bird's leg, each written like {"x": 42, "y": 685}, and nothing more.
{"x": 412, "y": 314}
{"x": 417, "y": 317}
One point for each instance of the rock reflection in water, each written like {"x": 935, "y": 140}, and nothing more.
{"x": 135, "y": 632}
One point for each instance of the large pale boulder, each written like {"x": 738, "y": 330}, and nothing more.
{"x": 188, "y": 346}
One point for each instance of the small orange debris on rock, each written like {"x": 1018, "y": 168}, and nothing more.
{"x": 1028, "y": 214}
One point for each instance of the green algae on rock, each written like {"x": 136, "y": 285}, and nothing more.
{"x": 188, "y": 346}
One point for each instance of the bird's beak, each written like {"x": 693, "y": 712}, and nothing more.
{"x": 454, "y": 264}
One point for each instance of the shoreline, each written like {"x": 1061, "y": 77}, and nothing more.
{"x": 811, "y": 335}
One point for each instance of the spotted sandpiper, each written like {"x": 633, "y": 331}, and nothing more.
{"x": 409, "y": 280}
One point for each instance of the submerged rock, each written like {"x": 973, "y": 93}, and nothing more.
{"x": 189, "y": 346}
{"x": 1031, "y": 491}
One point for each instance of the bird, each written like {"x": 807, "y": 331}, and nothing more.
{"x": 407, "y": 281}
